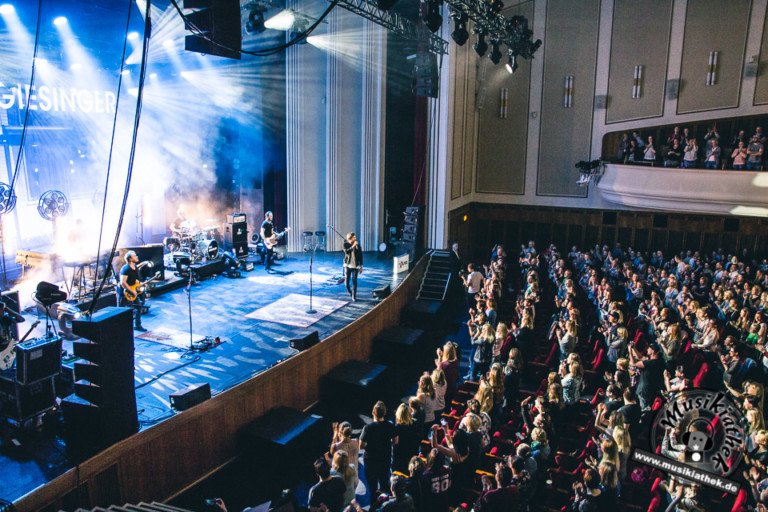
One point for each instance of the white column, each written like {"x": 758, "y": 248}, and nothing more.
{"x": 373, "y": 124}
{"x": 305, "y": 69}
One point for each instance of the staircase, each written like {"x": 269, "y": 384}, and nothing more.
{"x": 437, "y": 278}
{"x": 141, "y": 507}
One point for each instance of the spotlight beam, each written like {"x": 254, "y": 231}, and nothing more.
{"x": 395, "y": 23}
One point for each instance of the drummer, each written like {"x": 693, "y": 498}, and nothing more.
{"x": 179, "y": 224}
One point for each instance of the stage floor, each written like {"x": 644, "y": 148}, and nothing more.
{"x": 253, "y": 323}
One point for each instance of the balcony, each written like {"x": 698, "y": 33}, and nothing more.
{"x": 686, "y": 190}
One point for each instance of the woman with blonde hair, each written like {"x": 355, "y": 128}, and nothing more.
{"x": 448, "y": 361}
{"x": 481, "y": 359}
{"x": 342, "y": 440}
{"x": 624, "y": 445}
{"x": 341, "y": 467}
{"x": 502, "y": 335}
{"x": 440, "y": 384}
{"x": 573, "y": 381}
{"x": 408, "y": 438}
{"x": 428, "y": 398}
{"x": 484, "y": 396}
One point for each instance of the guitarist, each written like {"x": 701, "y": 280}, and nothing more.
{"x": 266, "y": 232}
{"x": 129, "y": 276}
{"x": 8, "y": 319}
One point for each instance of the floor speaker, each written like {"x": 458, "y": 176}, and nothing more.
{"x": 307, "y": 341}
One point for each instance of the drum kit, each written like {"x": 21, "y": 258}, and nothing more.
{"x": 193, "y": 242}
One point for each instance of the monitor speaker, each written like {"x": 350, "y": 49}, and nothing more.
{"x": 307, "y": 341}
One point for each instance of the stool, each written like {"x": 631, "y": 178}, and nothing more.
{"x": 320, "y": 239}
{"x": 307, "y": 242}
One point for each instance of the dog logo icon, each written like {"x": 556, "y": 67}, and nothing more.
{"x": 696, "y": 443}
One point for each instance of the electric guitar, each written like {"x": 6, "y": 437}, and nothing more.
{"x": 8, "y": 356}
{"x": 270, "y": 242}
{"x": 132, "y": 292}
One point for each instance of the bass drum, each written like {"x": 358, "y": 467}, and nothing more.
{"x": 208, "y": 249}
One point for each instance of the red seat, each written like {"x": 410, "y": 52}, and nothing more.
{"x": 701, "y": 375}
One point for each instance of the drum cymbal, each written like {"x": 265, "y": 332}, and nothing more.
{"x": 188, "y": 224}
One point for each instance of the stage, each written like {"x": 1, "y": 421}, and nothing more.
{"x": 254, "y": 316}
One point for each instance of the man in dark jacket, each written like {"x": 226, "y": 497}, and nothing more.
{"x": 353, "y": 264}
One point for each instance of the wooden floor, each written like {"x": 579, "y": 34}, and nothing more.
{"x": 219, "y": 308}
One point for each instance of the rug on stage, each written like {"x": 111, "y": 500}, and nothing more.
{"x": 168, "y": 336}
{"x": 292, "y": 310}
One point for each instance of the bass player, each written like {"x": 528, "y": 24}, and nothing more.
{"x": 127, "y": 292}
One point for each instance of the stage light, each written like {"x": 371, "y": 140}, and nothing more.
{"x": 185, "y": 75}
{"x": 495, "y": 52}
{"x": 6, "y": 9}
{"x": 132, "y": 36}
{"x": 281, "y": 21}
{"x": 255, "y": 23}
{"x": 76, "y": 66}
{"x": 429, "y": 10}
{"x": 511, "y": 65}
{"x": 168, "y": 44}
{"x": 385, "y": 5}
{"x": 60, "y": 21}
{"x": 153, "y": 75}
{"x": 460, "y": 33}
{"x": 480, "y": 46}
{"x": 314, "y": 40}
{"x": 125, "y": 72}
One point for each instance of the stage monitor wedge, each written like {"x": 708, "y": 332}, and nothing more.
{"x": 216, "y": 28}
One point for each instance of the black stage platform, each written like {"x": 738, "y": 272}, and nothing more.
{"x": 219, "y": 308}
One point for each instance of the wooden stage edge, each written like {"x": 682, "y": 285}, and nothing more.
{"x": 158, "y": 463}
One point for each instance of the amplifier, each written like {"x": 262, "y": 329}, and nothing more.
{"x": 233, "y": 218}
{"x": 195, "y": 394}
{"x": 235, "y": 233}
{"x": 20, "y": 402}
{"x": 246, "y": 265}
{"x": 38, "y": 359}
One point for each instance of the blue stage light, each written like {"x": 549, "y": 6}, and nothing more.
{"x": 6, "y": 9}
{"x": 132, "y": 36}
{"x": 60, "y": 21}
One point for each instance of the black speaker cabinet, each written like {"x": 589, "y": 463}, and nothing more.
{"x": 311, "y": 339}
{"x": 234, "y": 233}
{"x": 38, "y": 359}
{"x": 102, "y": 410}
{"x": 21, "y": 402}
{"x": 184, "y": 399}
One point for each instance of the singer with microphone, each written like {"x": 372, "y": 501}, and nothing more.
{"x": 353, "y": 264}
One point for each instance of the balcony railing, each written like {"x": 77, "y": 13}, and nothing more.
{"x": 686, "y": 190}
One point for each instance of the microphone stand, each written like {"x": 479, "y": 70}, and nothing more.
{"x": 189, "y": 304}
{"x": 311, "y": 310}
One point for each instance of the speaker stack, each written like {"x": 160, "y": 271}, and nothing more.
{"x": 412, "y": 238}
{"x": 102, "y": 410}
{"x": 236, "y": 234}
{"x": 30, "y": 389}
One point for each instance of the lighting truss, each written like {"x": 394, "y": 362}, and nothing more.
{"x": 513, "y": 32}
{"x": 402, "y": 27}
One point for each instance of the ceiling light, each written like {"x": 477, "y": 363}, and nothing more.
{"x": 495, "y": 52}
{"x": 255, "y": 23}
{"x": 385, "y": 5}
{"x": 132, "y": 36}
{"x": 430, "y": 14}
{"x": 460, "y": 33}
{"x": 480, "y": 46}
{"x": 6, "y": 9}
{"x": 511, "y": 64}
{"x": 281, "y": 21}
{"x": 60, "y": 21}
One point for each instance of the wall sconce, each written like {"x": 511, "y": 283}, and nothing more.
{"x": 637, "y": 81}
{"x": 503, "y": 102}
{"x": 712, "y": 68}
{"x": 568, "y": 91}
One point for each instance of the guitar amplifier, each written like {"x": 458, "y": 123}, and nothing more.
{"x": 21, "y": 402}
{"x": 38, "y": 359}
{"x": 235, "y": 233}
